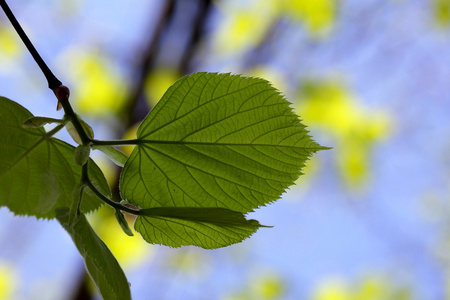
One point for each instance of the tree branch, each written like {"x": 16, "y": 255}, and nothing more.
{"x": 53, "y": 82}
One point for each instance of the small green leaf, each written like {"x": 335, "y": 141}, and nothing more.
{"x": 123, "y": 223}
{"x": 73, "y": 132}
{"x": 81, "y": 154}
{"x": 37, "y": 172}
{"x": 36, "y": 122}
{"x": 208, "y": 228}
{"x": 87, "y": 128}
{"x": 101, "y": 264}
{"x": 117, "y": 156}
{"x": 77, "y": 196}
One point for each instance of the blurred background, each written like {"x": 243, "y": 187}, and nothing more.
{"x": 369, "y": 220}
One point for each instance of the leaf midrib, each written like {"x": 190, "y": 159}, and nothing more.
{"x": 140, "y": 141}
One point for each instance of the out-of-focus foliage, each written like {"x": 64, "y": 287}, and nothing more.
{"x": 8, "y": 281}
{"x": 129, "y": 135}
{"x": 247, "y": 23}
{"x": 370, "y": 288}
{"x": 244, "y": 26}
{"x": 268, "y": 287}
{"x": 10, "y": 49}
{"x": 129, "y": 251}
{"x": 157, "y": 82}
{"x": 330, "y": 106}
{"x": 264, "y": 286}
{"x": 193, "y": 262}
{"x": 9, "y": 46}
{"x": 318, "y": 15}
{"x": 441, "y": 10}
{"x": 98, "y": 87}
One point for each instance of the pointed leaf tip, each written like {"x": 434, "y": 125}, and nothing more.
{"x": 123, "y": 223}
{"x": 208, "y": 228}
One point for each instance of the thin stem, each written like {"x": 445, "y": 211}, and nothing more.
{"x": 55, "y": 130}
{"x": 115, "y": 142}
{"x": 53, "y": 82}
{"x": 68, "y": 110}
{"x": 62, "y": 93}
{"x": 105, "y": 199}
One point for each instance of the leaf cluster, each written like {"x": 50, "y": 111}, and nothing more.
{"x": 216, "y": 147}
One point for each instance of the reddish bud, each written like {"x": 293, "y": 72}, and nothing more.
{"x": 62, "y": 93}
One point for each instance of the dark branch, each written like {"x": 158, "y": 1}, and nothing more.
{"x": 133, "y": 106}
{"x": 53, "y": 82}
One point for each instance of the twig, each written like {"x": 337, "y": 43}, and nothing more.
{"x": 53, "y": 82}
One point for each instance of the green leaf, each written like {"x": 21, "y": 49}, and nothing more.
{"x": 36, "y": 122}
{"x": 37, "y": 172}
{"x": 123, "y": 222}
{"x": 73, "y": 132}
{"x": 77, "y": 197}
{"x": 117, "y": 156}
{"x": 208, "y": 228}
{"x": 216, "y": 140}
{"x": 87, "y": 128}
{"x": 81, "y": 154}
{"x": 101, "y": 264}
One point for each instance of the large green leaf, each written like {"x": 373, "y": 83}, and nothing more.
{"x": 37, "y": 172}
{"x": 215, "y": 140}
{"x": 204, "y": 227}
{"x": 101, "y": 264}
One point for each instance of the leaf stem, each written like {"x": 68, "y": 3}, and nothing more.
{"x": 72, "y": 117}
{"x": 90, "y": 185}
{"x": 55, "y": 130}
{"x": 53, "y": 82}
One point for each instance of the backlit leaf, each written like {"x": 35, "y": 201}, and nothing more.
{"x": 117, "y": 156}
{"x": 73, "y": 132}
{"x": 123, "y": 223}
{"x": 81, "y": 154}
{"x": 216, "y": 140}
{"x": 204, "y": 227}
{"x": 101, "y": 265}
{"x": 36, "y": 122}
{"x": 37, "y": 172}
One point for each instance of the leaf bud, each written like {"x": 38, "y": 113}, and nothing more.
{"x": 62, "y": 93}
{"x": 81, "y": 154}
